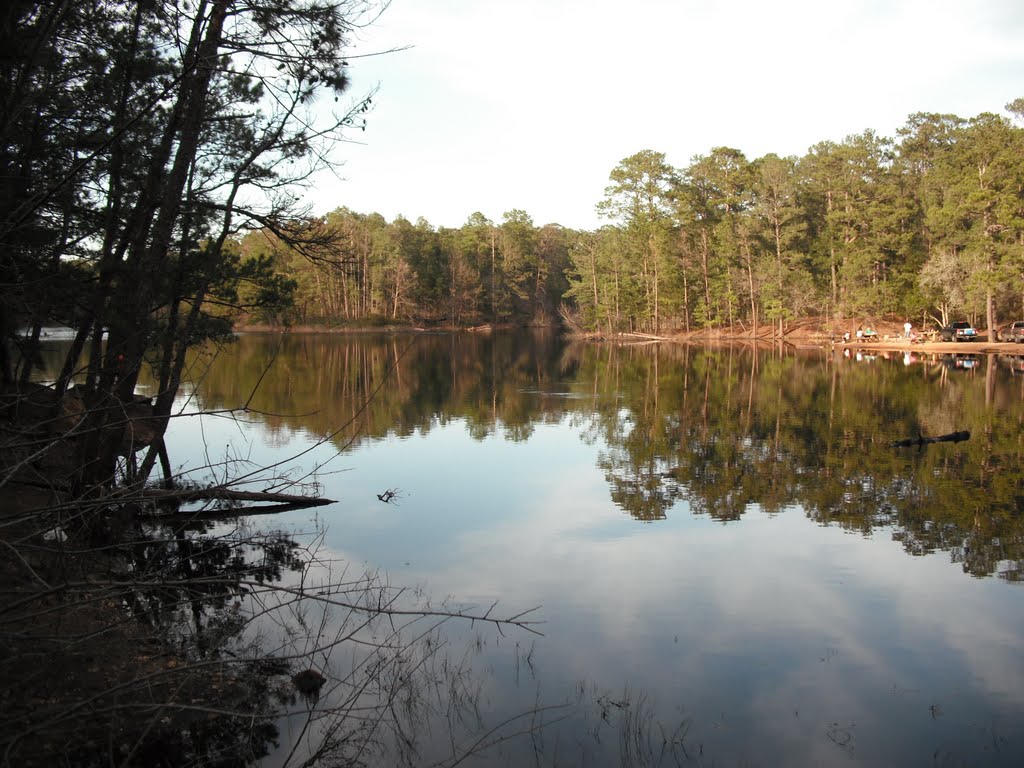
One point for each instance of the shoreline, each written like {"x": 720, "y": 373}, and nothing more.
{"x": 939, "y": 347}
{"x": 801, "y": 340}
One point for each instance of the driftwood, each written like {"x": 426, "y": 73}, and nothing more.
{"x": 280, "y": 501}
{"x": 228, "y": 513}
{"x": 952, "y": 437}
{"x": 640, "y": 339}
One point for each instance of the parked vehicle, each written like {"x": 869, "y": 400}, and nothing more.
{"x": 961, "y": 362}
{"x": 1015, "y": 332}
{"x": 959, "y": 331}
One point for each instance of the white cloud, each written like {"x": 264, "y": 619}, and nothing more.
{"x": 531, "y": 104}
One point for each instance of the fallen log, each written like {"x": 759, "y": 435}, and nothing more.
{"x": 185, "y": 495}
{"x": 229, "y": 512}
{"x": 952, "y": 437}
{"x": 643, "y": 336}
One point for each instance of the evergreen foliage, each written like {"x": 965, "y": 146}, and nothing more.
{"x": 926, "y": 226}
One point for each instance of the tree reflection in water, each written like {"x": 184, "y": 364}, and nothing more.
{"x": 720, "y": 429}
{"x": 682, "y": 429}
{"x": 193, "y": 643}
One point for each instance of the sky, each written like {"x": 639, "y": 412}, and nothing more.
{"x": 497, "y": 105}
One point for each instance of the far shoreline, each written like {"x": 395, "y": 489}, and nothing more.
{"x": 799, "y": 339}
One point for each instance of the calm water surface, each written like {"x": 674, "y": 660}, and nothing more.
{"x": 722, "y": 544}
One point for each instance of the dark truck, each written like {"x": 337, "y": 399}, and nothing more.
{"x": 959, "y": 331}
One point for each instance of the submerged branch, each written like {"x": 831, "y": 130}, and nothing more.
{"x": 227, "y": 494}
{"x": 952, "y": 437}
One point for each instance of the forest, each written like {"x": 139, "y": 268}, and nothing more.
{"x": 926, "y": 226}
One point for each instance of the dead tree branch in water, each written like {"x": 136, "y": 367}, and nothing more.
{"x": 921, "y": 440}
{"x": 185, "y": 641}
{"x": 390, "y": 495}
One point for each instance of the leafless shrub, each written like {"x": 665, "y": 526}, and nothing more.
{"x": 189, "y": 636}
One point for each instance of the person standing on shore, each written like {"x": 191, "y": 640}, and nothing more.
{"x": 906, "y": 329}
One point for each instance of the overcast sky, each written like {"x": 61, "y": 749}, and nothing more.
{"x": 530, "y": 104}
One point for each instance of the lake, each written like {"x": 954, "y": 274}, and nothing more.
{"x": 732, "y": 564}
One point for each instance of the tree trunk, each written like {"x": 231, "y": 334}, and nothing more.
{"x": 990, "y": 314}
{"x": 704, "y": 256}
{"x": 657, "y": 298}
{"x": 750, "y": 282}
{"x": 148, "y": 237}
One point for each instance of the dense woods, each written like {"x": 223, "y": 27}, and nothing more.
{"x": 373, "y": 271}
{"x": 928, "y": 226}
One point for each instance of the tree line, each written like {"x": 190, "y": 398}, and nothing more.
{"x": 928, "y": 226}
{"x": 372, "y": 271}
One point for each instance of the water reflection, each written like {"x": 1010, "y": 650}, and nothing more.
{"x": 719, "y": 538}
{"x": 723, "y": 429}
